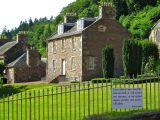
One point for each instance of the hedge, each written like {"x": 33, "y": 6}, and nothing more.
{"x": 132, "y": 57}
{"x": 108, "y": 61}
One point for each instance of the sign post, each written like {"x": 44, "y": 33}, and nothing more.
{"x": 123, "y": 98}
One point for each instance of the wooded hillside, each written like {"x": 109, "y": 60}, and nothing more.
{"x": 136, "y": 15}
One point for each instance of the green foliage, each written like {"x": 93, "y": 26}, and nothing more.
{"x": 140, "y": 23}
{"x": 108, "y": 61}
{"x": 136, "y": 15}
{"x": 2, "y": 67}
{"x": 149, "y": 66}
{"x": 150, "y": 51}
{"x": 100, "y": 80}
{"x": 132, "y": 57}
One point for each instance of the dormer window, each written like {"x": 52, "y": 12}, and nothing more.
{"x": 84, "y": 22}
{"x": 60, "y": 29}
{"x": 64, "y": 27}
{"x": 80, "y": 24}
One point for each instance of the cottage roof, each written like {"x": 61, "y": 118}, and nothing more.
{"x": 73, "y": 30}
{"x": 157, "y": 25}
{"x": 18, "y": 62}
{"x": 4, "y": 48}
{"x": 3, "y": 41}
{"x": 22, "y": 61}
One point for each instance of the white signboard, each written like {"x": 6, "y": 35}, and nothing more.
{"x": 127, "y": 98}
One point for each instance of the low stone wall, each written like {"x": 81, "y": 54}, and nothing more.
{"x": 146, "y": 116}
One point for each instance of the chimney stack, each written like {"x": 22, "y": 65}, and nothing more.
{"x": 107, "y": 11}
{"x": 22, "y": 37}
{"x": 33, "y": 57}
{"x": 70, "y": 18}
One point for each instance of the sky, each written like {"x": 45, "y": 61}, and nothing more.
{"x": 14, "y": 11}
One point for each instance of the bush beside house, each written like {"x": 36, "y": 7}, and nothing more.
{"x": 108, "y": 61}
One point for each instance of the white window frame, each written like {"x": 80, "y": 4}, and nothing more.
{"x": 60, "y": 29}
{"x": 53, "y": 47}
{"x": 54, "y": 65}
{"x": 73, "y": 43}
{"x": 73, "y": 63}
{"x": 91, "y": 63}
{"x": 80, "y": 24}
{"x": 63, "y": 42}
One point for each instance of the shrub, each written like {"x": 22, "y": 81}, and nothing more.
{"x": 100, "y": 80}
{"x": 108, "y": 61}
{"x": 150, "y": 50}
{"x": 2, "y": 67}
{"x": 132, "y": 57}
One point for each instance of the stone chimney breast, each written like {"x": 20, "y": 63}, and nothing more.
{"x": 33, "y": 57}
{"x": 107, "y": 11}
{"x": 22, "y": 37}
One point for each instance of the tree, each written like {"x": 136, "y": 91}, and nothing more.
{"x": 150, "y": 50}
{"x": 108, "y": 61}
{"x": 132, "y": 57}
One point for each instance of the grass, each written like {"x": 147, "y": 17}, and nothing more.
{"x": 75, "y": 102}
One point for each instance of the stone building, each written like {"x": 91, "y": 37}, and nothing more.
{"x": 74, "y": 52}
{"x": 27, "y": 68}
{"x": 11, "y": 50}
{"x": 155, "y": 33}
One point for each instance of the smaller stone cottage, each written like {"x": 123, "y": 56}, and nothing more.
{"x": 27, "y": 68}
{"x": 11, "y": 50}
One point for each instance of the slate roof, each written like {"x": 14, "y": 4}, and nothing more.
{"x": 18, "y": 62}
{"x": 22, "y": 61}
{"x": 4, "y": 48}
{"x": 157, "y": 25}
{"x": 3, "y": 41}
{"x": 73, "y": 30}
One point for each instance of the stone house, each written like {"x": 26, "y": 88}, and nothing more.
{"x": 155, "y": 33}
{"x": 74, "y": 52}
{"x": 27, "y": 68}
{"x": 11, "y": 50}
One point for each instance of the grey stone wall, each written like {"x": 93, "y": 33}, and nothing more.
{"x": 67, "y": 54}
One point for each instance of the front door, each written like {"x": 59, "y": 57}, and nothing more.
{"x": 63, "y": 67}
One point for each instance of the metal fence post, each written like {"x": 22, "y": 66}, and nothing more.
{"x": 30, "y": 103}
{"x": 34, "y": 106}
{"x": 8, "y": 106}
{"x": 88, "y": 100}
{"x": 39, "y": 105}
{"x": 84, "y": 99}
{"x": 21, "y": 106}
{"x": 12, "y": 108}
{"x": 57, "y": 101}
{"x": 52, "y": 104}
{"x": 146, "y": 98}
{"x": 3, "y": 107}
{"x": 75, "y": 101}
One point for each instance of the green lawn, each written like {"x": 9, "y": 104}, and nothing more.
{"x": 76, "y": 102}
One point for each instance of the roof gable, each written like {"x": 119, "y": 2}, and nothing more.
{"x": 4, "y": 48}
{"x": 18, "y": 62}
